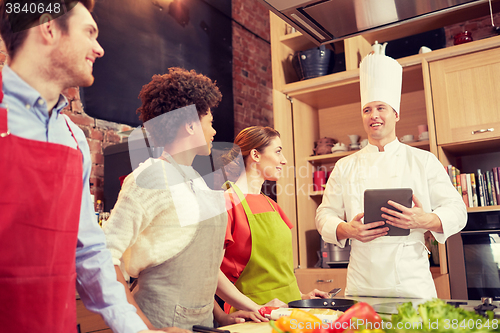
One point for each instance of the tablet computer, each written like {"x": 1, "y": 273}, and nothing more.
{"x": 375, "y": 199}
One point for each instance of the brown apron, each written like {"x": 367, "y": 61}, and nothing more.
{"x": 180, "y": 292}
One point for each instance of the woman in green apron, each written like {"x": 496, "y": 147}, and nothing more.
{"x": 259, "y": 257}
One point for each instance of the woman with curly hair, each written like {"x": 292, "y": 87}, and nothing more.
{"x": 167, "y": 227}
{"x": 258, "y": 258}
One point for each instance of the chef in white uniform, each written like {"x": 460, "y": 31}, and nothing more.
{"x": 381, "y": 265}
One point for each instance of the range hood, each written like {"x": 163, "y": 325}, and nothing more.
{"x": 326, "y": 21}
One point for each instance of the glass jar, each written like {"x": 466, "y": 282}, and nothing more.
{"x": 463, "y": 37}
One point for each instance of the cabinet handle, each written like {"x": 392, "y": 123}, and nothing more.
{"x": 483, "y": 130}
{"x": 324, "y": 281}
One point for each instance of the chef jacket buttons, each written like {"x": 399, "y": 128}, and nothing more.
{"x": 40, "y": 101}
{"x": 28, "y": 106}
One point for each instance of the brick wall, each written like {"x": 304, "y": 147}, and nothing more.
{"x": 480, "y": 28}
{"x": 99, "y": 133}
{"x": 252, "y": 85}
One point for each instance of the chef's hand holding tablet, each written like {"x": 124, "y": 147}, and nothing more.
{"x": 411, "y": 218}
{"x": 362, "y": 232}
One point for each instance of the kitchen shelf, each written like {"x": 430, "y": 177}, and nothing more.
{"x": 343, "y": 87}
{"x": 469, "y": 209}
{"x": 329, "y": 158}
{"x": 483, "y": 209}
{"x": 297, "y": 41}
{"x": 479, "y": 146}
{"x": 334, "y": 157}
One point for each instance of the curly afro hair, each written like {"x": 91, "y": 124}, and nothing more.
{"x": 176, "y": 89}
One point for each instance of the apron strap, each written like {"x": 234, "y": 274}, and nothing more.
{"x": 4, "y": 128}
{"x": 1, "y": 87}
{"x": 270, "y": 203}
{"x": 71, "y": 131}
{"x": 241, "y": 196}
{"x": 165, "y": 155}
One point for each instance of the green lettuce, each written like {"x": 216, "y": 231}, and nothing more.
{"x": 437, "y": 316}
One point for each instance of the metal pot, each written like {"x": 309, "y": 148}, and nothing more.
{"x": 314, "y": 62}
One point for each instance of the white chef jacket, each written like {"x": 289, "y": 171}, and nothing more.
{"x": 390, "y": 265}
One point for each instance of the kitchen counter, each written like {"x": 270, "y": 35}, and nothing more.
{"x": 385, "y": 306}
{"x": 248, "y": 327}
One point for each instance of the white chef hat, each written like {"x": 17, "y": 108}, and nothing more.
{"x": 380, "y": 79}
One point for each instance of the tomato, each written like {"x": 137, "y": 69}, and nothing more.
{"x": 357, "y": 315}
{"x": 266, "y": 310}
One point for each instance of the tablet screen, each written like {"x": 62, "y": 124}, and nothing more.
{"x": 375, "y": 199}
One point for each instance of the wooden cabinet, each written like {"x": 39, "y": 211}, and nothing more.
{"x": 329, "y": 106}
{"x": 321, "y": 279}
{"x": 442, "y": 283}
{"x": 466, "y": 108}
{"x": 466, "y": 99}
{"x": 327, "y": 279}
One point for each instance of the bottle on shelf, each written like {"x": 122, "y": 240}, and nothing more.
{"x": 92, "y": 196}
{"x": 99, "y": 211}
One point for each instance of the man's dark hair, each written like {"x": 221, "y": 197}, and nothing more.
{"x": 176, "y": 89}
{"x": 14, "y": 26}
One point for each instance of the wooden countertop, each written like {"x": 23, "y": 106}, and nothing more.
{"x": 249, "y": 327}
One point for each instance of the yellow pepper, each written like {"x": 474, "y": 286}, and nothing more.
{"x": 299, "y": 321}
{"x": 304, "y": 321}
{"x": 282, "y": 324}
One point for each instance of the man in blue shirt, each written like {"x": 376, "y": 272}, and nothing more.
{"x": 45, "y": 205}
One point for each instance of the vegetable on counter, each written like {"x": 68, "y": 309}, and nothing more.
{"x": 299, "y": 321}
{"x": 432, "y": 316}
{"x": 326, "y": 315}
{"x": 356, "y": 318}
{"x": 265, "y": 311}
{"x": 437, "y": 316}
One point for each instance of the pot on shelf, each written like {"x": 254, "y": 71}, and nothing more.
{"x": 313, "y": 62}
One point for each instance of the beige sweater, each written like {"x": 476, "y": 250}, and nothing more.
{"x": 154, "y": 218}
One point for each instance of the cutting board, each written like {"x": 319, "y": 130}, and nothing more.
{"x": 249, "y": 327}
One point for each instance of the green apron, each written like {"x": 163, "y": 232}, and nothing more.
{"x": 269, "y": 272}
